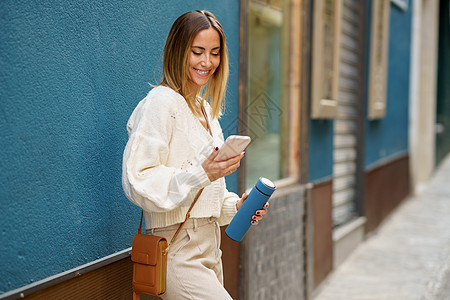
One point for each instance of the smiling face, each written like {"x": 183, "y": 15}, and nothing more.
{"x": 204, "y": 58}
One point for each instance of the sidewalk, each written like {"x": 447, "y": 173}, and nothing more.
{"x": 409, "y": 255}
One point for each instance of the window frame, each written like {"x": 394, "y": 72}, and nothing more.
{"x": 321, "y": 106}
{"x": 378, "y": 64}
{"x": 296, "y": 126}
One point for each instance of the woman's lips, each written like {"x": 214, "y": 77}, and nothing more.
{"x": 202, "y": 72}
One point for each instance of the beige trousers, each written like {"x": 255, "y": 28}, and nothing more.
{"x": 194, "y": 262}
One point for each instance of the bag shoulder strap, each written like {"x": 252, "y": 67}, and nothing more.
{"x": 188, "y": 214}
{"x": 206, "y": 118}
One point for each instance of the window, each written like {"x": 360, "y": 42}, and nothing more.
{"x": 271, "y": 109}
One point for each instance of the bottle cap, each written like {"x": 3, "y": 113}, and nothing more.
{"x": 265, "y": 186}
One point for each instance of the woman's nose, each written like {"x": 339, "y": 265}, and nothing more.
{"x": 206, "y": 61}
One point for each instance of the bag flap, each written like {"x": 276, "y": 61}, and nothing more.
{"x": 145, "y": 248}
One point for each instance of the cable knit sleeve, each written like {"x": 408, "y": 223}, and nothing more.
{"x": 147, "y": 180}
{"x": 228, "y": 208}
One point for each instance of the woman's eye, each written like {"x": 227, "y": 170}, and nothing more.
{"x": 216, "y": 54}
{"x": 196, "y": 53}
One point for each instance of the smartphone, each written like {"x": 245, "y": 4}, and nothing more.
{"x": 234, "y": 145}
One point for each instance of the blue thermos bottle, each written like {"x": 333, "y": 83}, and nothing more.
{"x": 258, "y": 196}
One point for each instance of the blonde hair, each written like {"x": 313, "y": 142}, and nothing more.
{"x": 176, "y": 59}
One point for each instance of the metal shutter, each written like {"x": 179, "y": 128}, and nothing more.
{"x": 345, "y": 125}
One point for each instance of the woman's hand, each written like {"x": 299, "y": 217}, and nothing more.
{"x": 218, "y": 169}
{"x": 259, "y": 213}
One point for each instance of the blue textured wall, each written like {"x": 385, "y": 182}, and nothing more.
{"x": 320, "y": 150}
{"x": 70, "y": 76}
{"x": 389, "y": 135}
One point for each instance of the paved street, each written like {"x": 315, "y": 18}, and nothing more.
{"x": 409, "y": 255}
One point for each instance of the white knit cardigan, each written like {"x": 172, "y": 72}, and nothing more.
{"x": 162, "y": 170}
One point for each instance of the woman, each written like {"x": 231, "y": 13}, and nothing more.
{"x": 174, "y": 136}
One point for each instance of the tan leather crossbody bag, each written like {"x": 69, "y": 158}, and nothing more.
{"x": 149, "y": 257}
